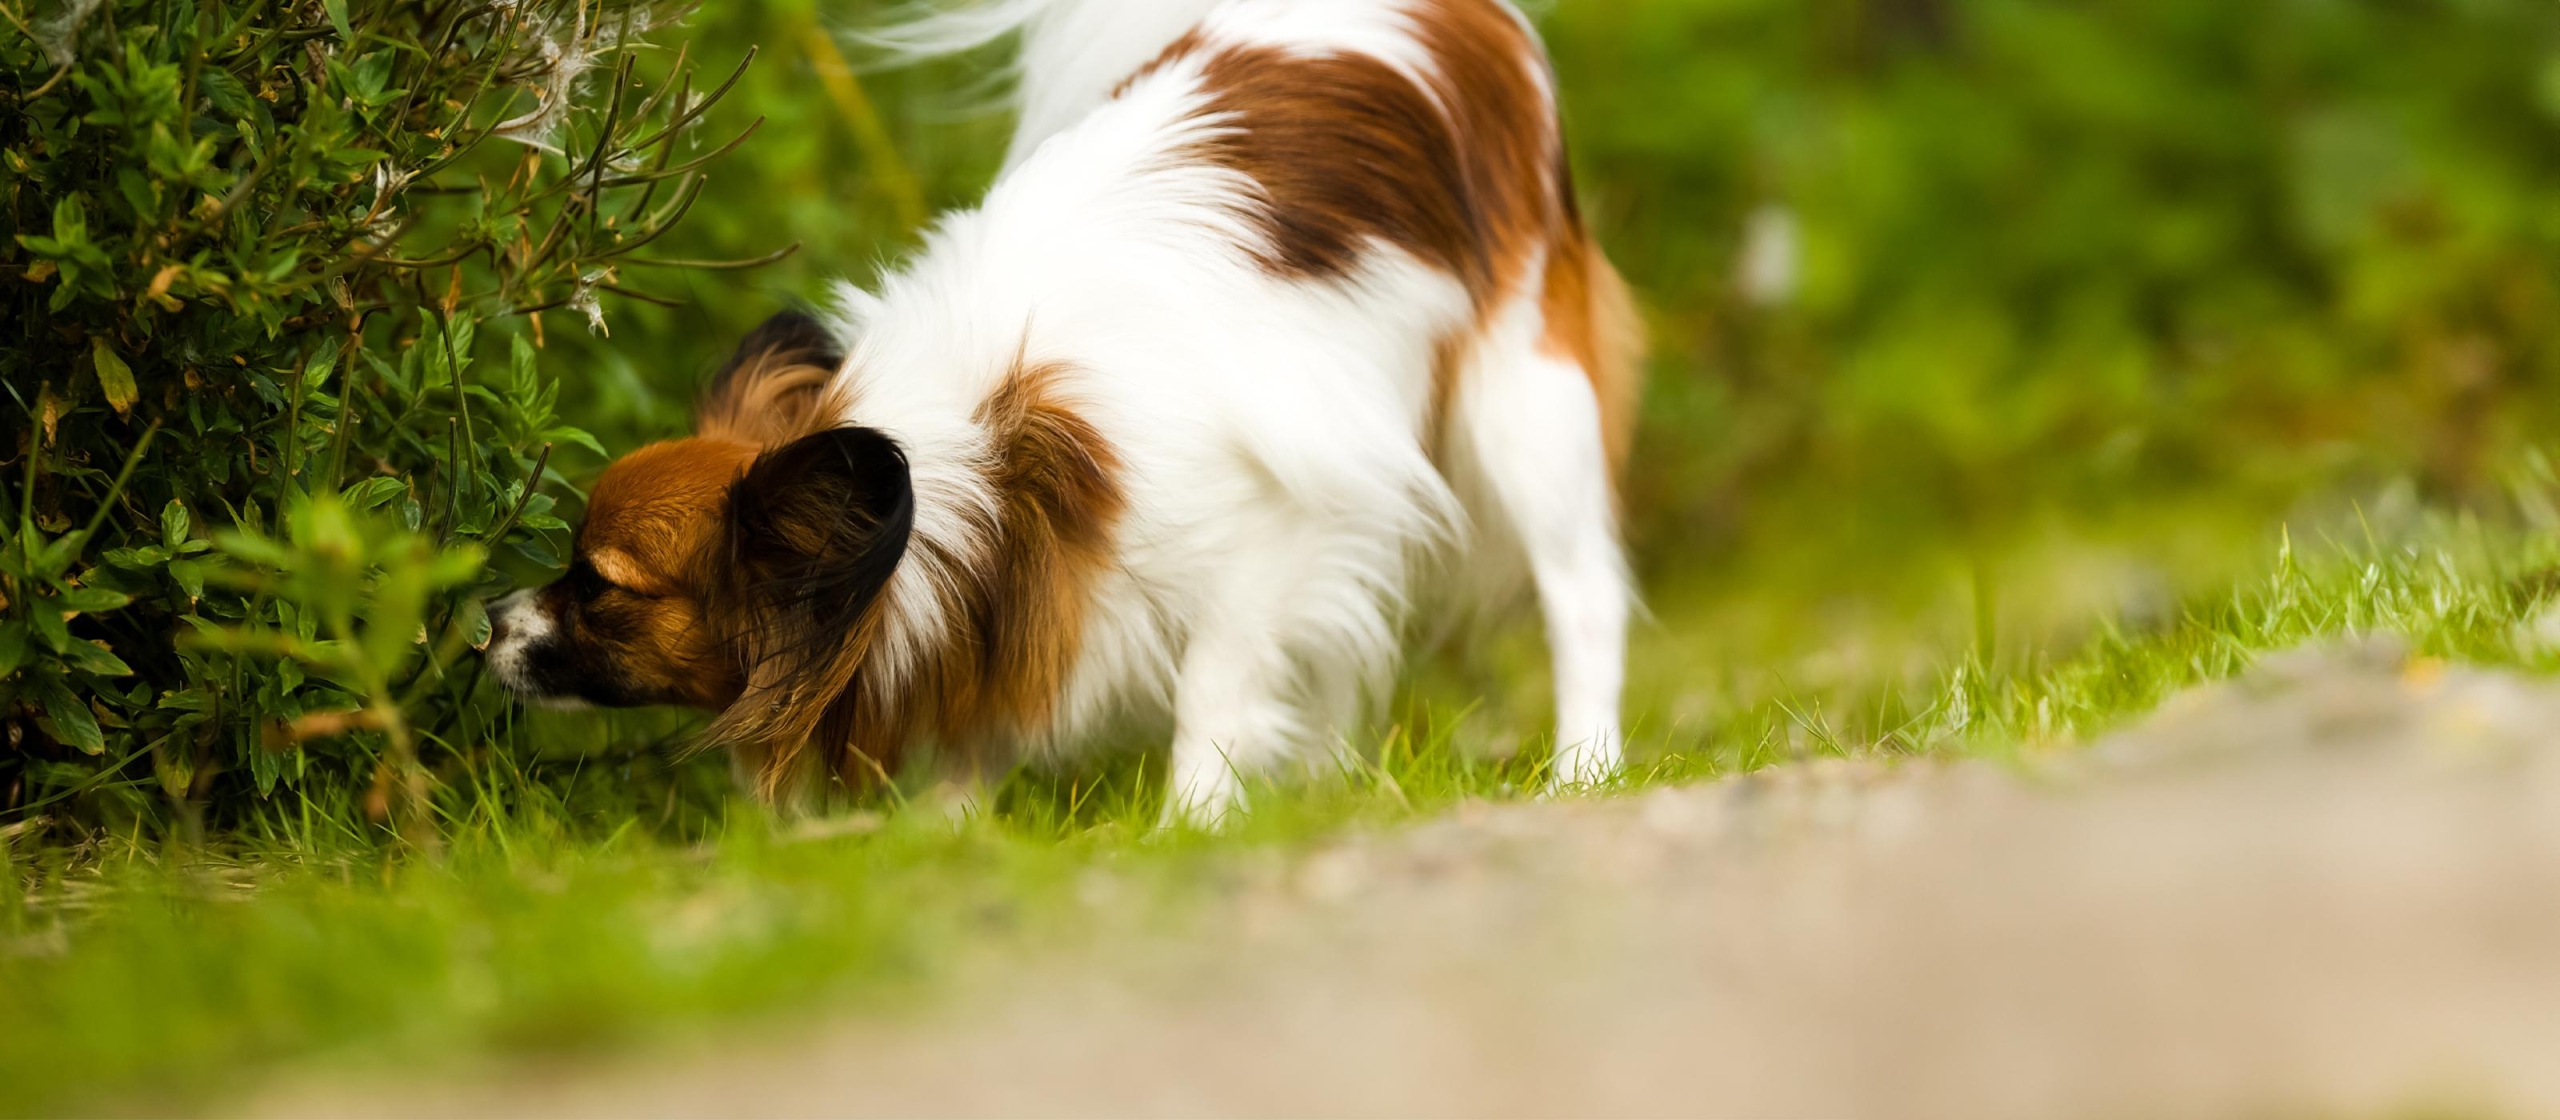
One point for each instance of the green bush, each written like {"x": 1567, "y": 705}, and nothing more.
{"x": 259, "y": 255}
{"x": 2072, "y": 254}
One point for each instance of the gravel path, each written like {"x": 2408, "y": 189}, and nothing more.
{"x": 2330, "y": 888}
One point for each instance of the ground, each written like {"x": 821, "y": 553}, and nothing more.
{"x": 2329, "y": 887}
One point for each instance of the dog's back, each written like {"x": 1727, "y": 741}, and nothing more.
{"x": 1430, "y": 125}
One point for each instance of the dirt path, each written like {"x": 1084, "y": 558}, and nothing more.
{"x": 2332, "y": 888}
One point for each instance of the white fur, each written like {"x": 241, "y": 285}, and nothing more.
{"x": 1526, "y": 436}
{"x": 1270, "y": 430}
{"x": 521, "y": 627}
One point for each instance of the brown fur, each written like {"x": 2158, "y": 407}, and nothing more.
{"x": 1346, "y": 149}
{"x": 777, "y": 387}
{"x": 1591, "y": 320}
{"x": 652, "y": 533}
{"x": 773, "y": 401}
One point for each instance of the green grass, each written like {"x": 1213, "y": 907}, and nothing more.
{"x": 166, "y": 977}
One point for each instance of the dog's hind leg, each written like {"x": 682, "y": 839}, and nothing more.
{"x": 1529, "y": 455}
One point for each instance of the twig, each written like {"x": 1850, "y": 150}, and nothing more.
{"x": 721, "y": 266}
{"x": 532, "y": 482}
{"x": 123, "y": 475}
{"x": 48, "y": 85}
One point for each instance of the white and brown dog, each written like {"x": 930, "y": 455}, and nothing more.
{"x": 1277, "y": 306}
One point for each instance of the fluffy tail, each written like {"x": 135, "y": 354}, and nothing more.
{"x": 1617, "y": 354}
{"x": 1592, "y": 318}
{"x": 1074, "y": 52}
{"x": 929, "y": 30}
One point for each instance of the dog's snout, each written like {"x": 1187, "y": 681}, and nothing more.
{"x": 506, "y": 618}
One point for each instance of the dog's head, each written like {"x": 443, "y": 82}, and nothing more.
{"x": 712, "y": 565}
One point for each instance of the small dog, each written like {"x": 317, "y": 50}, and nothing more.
{"x": 1281, "y": 310}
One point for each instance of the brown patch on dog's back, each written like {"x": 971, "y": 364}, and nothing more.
{"x": 1348, "y": 149}
{"x": 1468, "y": 174}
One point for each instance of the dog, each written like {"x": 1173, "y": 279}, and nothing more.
{"x": 1280, "y": 325}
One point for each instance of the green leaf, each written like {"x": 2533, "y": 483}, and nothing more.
{"x": 187, "y": 700}
{"x": 253, "y": 548}
{"x": 13, "y": 646}
{"x": 536, "y": 550}
{"x": 51, "y": 626}
{"x": 458, "y": 565}
{"x": 190, "y": 576}
{"x": 374, "y": 491}
{"x": 56, "y": 558}
{"x": 173, "y": 523}
{"x": 225, "y": 91}
{"x": 138, "y": 193}
{"x": 337, "y": 10}
{"x": 70, "y": 223}
{"x": 579, "y": 436}
{"x": 323, "y": 362}
{"x": 93, "y": 658}
{"x": 73, "y": 722}
{"x": 521, "y": 361}
{"x": 266, "y": 767}
{"x": 115, "y": 377}
{"x": 92, "y": 600}
{"x": 176, "y": 771}
{"x": 136, "y": 559}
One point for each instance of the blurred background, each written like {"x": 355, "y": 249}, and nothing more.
{"x": 1973, "y": 320}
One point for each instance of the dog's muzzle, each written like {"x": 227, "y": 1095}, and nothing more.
{"x": 521, "y": 634}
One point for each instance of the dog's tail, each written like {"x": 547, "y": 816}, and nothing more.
{"x": 1613, "y": 352}
{"x": 1073, "y": 52}
{"x": 928, "y": 30}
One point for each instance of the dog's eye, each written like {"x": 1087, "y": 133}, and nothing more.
{"x": 585, "y": 582}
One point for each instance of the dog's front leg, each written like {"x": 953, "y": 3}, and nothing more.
{"x": 1231, "y": 715}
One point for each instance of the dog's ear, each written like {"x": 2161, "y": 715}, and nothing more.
{"x": 816, "y": 529}
{"x": 773, "y": 389}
